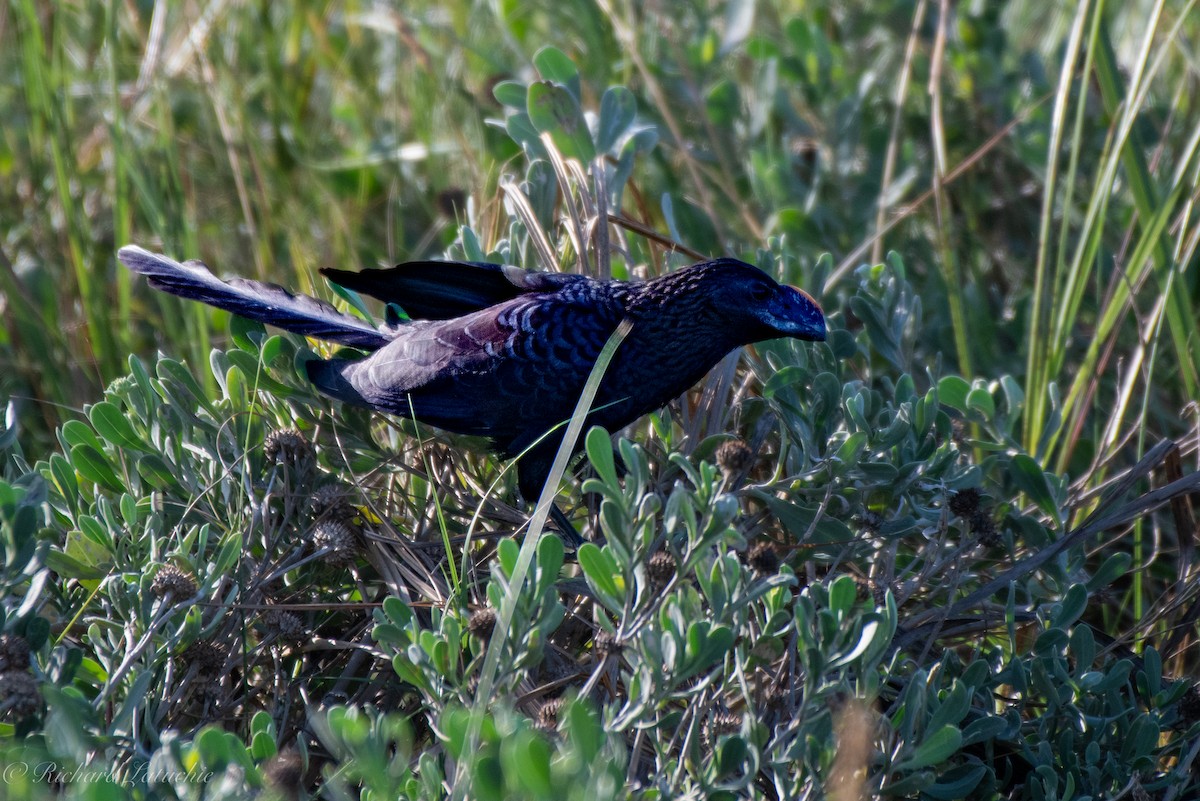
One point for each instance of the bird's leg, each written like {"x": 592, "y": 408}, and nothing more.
{"x": 532, "y": 471}
{"x": 570, "y": 536}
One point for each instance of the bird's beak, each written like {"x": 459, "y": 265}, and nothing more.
{"x": 808, "y": 297}
{"x": 811, "y": 322}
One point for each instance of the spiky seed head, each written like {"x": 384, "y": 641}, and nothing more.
{"x": 723, "y": 723}
{"x": 331, "y": 500}
{"x": 764, "y": 558}
{"x": 983, "y": 527}
{"x": 339, "y": 539}
{"x": 660, "y": 569}
{"x": 869, "y": 521}
{"x": 284, "y": 772}
{"x": 208, "y": 657}
{"x": 726, "y": 722}
{"x": 14, "y": 652}
{"x": 287, "y": 445}
{"x": 173, "y": 581}
{"x": 547, "y": 714}
{"x": 605, "y": 644}
{"x": 965, "y": 502}
{"x": 734, "y": 457}
{"x": 287, "y": 625}
{"x": 19, "y": 693}
{"x": 482, "y": 622}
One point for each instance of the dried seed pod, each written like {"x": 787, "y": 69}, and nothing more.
{"x": 331, "y": 500}
{"x": 723, "y": 723}
{"x": 734, "y": 457}
{"x": 208, "y": 657}
{"x": 660, "y": 569}
{"x": 287, "y": 625}
{"x": 605, "y": 644}
{"x": 19, "y": 693}
{"x": 547, "y": 715}
{"x": 339, "y": 539}
{"x": 482, "y": 622}
{"x": 14, "y": 652}
{"x": 287, "y": 445}
{"x": 173, "y": 581}
{"x": 764, "y": 558}
{"x": 983, "y": 527}
{"x": 965, "y": 502}
{"x": 870, "y": 522}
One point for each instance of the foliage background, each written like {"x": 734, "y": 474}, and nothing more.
{"x": 1034, "y": 166}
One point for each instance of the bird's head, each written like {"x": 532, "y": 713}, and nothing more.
{"x": 758, "y": 307}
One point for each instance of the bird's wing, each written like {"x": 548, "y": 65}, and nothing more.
{"x": 503, "y": 372}
{"x": 266, "y": 303}
{"x": 442, "y": 290}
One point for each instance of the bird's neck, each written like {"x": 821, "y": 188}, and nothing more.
{"x": 680, "y": 306}
{"x": 677, "y": 336}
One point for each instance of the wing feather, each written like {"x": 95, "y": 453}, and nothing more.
{"x": 507, "y": 372}
{"x": 443, "y": 290}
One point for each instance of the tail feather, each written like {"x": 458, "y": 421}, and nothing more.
{"x": 255, "y": 300}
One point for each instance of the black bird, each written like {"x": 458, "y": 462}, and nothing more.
{"x": 504, "y": 352}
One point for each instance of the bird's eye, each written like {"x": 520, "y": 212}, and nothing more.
{"x": 760, "y": 292}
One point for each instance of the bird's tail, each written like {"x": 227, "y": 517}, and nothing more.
{"x": 255, "y": 300}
